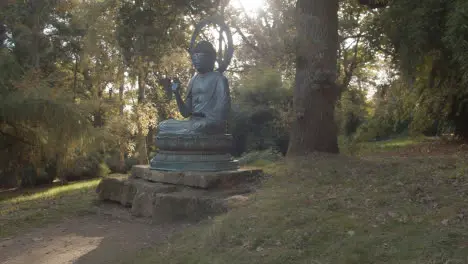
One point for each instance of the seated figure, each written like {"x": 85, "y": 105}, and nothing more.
{"x": 207, "y": 102}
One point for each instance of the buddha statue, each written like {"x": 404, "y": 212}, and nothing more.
{"x": 200, "y": 142}
{"x": 207, "y": 103}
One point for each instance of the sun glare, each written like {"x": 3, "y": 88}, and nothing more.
{"x": 251, "y": 6}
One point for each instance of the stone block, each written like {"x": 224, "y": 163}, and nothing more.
{"x": 116, "y": 189}
{"x": 129, "y": 192}
{"x": 169, "y": 201}
{"x": 203, "y": 180}
{"x": 142, "y": 204}
{"x": 186, "y": 206}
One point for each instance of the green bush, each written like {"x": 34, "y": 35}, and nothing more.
{"x": 130, "y": 162}
{"x": 351, "y": 111}
{"x": 8, "y": 179}
{"x": 113, "y": 162}
{"x": 260, "y": 112}
{"x": 260, "y": 158}
{"x": 103, "y": 170}
{"x": 31, "y": 176}
{"x": 87, "y": 167}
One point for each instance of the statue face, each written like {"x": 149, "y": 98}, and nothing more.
{"x": 203, "y": 62}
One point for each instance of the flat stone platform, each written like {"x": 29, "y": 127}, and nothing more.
{"x": 166, "y": 203}
{"x": 204, "y": 180}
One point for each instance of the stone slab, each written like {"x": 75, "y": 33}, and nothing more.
{"x": 142, "y": 203}
{"x": 129, "y": 192}
{"x": 116, "y": 189}
{"x": 186, "y": 206}
{"x": 166, "y": 203}
{"x": 196, "y": 179}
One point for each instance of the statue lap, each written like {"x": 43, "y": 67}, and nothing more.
{"x": 193, "y": 126}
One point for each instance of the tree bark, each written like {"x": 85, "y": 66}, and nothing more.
{"x": 313, "y": 128}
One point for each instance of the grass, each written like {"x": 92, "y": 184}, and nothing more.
{"x": 379, "y": 208}
{"x": 375, "y": 147}
{"x": 337, "y": 209}
{"x": 34, "y": 208}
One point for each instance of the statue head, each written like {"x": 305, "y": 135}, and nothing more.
{"x": 204, "y": 57}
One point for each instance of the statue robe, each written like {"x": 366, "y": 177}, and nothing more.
{"x": 207, "y": 105}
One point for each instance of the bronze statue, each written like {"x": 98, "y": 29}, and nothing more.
{"x": 207, "y": 103}
{"x": 201, "y": 142}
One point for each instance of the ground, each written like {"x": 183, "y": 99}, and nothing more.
{"x": 64, "y": 224}
{"x": 84, "y": 239}
{"x": 400, "y": 201}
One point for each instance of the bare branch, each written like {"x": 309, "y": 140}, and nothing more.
{"x": 247, "y": 41}
{"x": 352, "y": 66}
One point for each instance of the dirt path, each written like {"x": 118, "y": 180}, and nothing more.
{"x": 105, "y": 237}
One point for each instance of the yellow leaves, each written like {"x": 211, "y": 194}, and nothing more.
{"x": 144, "y": 115}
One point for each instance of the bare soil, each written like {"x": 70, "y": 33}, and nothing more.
{"x": 106, "y": 235}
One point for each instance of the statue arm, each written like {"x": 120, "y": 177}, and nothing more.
{"x": 185, "y": 108}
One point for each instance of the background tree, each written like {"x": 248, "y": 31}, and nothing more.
{"x": 425, "y": 41}
{"x": 315, "y": 94}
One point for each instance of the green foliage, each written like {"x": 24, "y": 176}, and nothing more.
{"x": 65, "y": 72}
{"x": 351, "y": 111}
{"x": 356, "y": 148}
{"x": 31, "y": 176}
{"x": 113, "y": 163}
{"x": 260, "y": 113}
{"x": 87, "y": 167}
{"x": 429, "y": 41}
{"x": 260, "y": 158}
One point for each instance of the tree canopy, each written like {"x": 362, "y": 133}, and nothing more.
{"x": 87, "y": 80}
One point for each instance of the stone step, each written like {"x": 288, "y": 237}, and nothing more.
{"x": 205, "y": 180}
{"x": 166, "y": 203}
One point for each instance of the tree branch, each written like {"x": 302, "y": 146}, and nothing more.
{"x": 247, "y": 41}
{"x": 352, "y": 66}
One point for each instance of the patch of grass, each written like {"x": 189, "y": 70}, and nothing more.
{"x": 45, "y": 205}
{"x": 335, "y": 209}
{"x": 365, "y": 148}
{"x": 260, "y": 158}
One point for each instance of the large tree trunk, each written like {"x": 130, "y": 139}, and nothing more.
{"x": 315, "y": 94}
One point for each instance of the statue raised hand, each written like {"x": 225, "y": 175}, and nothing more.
{"x": 207, "y": 102}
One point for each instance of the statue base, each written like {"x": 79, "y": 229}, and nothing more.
{"x": 197, "y": 179}
{"x": 191, "y": 177}
{"x": 194, "y": 153}
{"x": 167, "y": 197}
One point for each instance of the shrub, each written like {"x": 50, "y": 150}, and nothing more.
{"x": 130, "y": 162}
{"x": 113, "y": 163}
{"x": 260, "y": 158}
{"x": 31, "y": 176}
{"x": 87, "y": 167}
{"x": 260, "y": 113}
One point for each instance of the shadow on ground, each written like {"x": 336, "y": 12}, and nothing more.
{"x": 91, "y": 239}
